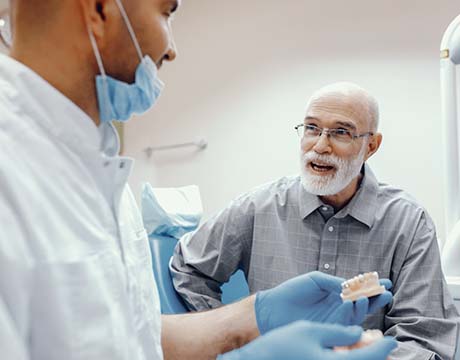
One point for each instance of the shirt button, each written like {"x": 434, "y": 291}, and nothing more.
{"x": 331, "y": 228}
{"x": 324, "y": 208}
{"x": 327, "y": 266}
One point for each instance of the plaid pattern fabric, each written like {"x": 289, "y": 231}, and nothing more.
{"x": 279, "y": 231}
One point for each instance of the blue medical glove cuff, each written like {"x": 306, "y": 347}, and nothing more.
{"x": 262, "y": 313}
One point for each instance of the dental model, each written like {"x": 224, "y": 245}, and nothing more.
{"x": 367, "y": 338}
{"x": 362, "y": 285}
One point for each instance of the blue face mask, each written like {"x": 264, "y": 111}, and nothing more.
{"x": 118, "y": 100}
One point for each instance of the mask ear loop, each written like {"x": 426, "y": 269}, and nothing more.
{"x": 96, "y": 53}
{"x": 130, "y": 29}
{"x": 105, "y": 93}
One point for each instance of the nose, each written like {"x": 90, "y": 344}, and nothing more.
{"x": 171, "y": 53}
{"x": 323, "y": 145}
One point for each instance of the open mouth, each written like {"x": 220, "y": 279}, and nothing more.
{"x": 321, "y": 168}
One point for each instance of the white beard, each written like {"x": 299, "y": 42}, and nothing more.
{"x": 326, "y": 185}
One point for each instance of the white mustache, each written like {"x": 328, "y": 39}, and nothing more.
{"x": 330, "y": 160}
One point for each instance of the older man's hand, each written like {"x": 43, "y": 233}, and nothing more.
{"x": 315, "y": 297}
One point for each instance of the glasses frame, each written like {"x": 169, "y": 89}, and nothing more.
{"x": 330, "y": 132}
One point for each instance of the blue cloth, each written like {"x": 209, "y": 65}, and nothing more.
{"x": 171, "y": 212}
{"x": 315, "y": 297}
{"x": 310, "y": 341}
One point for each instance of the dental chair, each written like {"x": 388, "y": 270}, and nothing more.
{"x": 168, "y": 214}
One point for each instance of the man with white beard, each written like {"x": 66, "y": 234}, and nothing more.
{"x": 331, "y": 163}
{"x": 337, "y": 218}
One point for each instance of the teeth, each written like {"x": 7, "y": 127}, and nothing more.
{"x": 321, "y": 167}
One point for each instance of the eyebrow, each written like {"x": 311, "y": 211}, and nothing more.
{"x": 310, "y": 118}
{"x": 345, "y": 124}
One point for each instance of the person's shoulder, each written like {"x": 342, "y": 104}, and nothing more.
{"x": 279, "y": 191}
{"x": 16, "y": 124}
{"x": 264, "y": 196}
{"x": 280, "y": 186}
{"x": 402, "y": 204}
{"x": 387, "y": 192}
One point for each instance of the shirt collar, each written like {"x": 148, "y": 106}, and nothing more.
{"x": 308, "y": 202}
{"x": 110, "y": 140}
{"x": 362, "y": 206}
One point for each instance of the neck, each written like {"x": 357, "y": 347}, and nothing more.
{"x": 341, "y": 199}
{"x": 66, "y": 67}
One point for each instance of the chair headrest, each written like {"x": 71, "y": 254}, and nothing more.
{"x": 171, "y": 211}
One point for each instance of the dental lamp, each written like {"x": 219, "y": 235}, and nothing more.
{"x": 450, "y": 59}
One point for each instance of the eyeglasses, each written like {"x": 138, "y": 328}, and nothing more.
{"x": 338, "y": 136}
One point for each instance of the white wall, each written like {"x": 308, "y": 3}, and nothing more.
{"x": 247, "y": 67}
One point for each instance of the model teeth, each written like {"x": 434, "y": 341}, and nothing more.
{"x": 366, "y": 284}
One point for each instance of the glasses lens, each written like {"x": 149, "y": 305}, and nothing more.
{"x": 5, "y": 29}
{"x": 312, "y": 131}
{"x": 341, "y": 136}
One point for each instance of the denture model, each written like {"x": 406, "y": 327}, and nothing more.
{"x": 362, "y": 285}
{"x": 367, "y": 338}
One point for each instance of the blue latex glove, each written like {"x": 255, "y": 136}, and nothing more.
{"x": 304, "y": 340}
{"x": 315, "y": 297}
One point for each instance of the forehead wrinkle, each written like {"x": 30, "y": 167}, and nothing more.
{"x": 345, "y": 100}
{"x": 337, "y": 122}
{"x": 339, "y": 108}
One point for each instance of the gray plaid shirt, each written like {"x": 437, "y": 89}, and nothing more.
{"x": 279, "y": 231}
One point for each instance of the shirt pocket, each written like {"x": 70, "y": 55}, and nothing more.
{"x": 81, "y": 310}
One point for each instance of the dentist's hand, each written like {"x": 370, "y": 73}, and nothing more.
{"x": 303, "y": 340}
{"x": 315, "y": 297}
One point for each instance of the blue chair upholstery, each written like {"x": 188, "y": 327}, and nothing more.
{"x": 235, "y": 289}
{"x": 162, "y": 248}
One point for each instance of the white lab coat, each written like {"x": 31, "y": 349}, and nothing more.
{"x": 76, "y": 280}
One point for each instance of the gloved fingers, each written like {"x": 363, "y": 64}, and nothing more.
{"x": 343, "y": 314}
{"x": 376, "y": 351}
{"x": 361, "y": 307}
{"x": 387, "y": 283}
{"x": 380, "y": 301}
{"x": 330, "y": 335}
{"x": 327, "y": 282}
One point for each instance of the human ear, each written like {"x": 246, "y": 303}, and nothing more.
{"x": 96, "y": 13}
{"x": 374, "y": 144}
